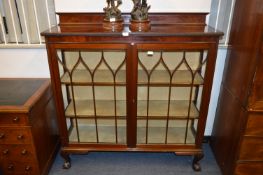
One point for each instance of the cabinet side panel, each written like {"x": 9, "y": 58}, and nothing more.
{"x": 44, "y": 130}
{"x": 245, "y": 42}
{"x": 226, "y": 131}
{"x": 256, "y": 97}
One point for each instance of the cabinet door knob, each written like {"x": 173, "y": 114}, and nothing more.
{"x": 2, "y": 135}
{"x": 28, "y": 168}
{"x": 20, "y": 137}
{"x": 6, "y": 151}
{"x": 10, "y": 167}
{"x": 24, "y": 152}
{"x": 16, "y": 119}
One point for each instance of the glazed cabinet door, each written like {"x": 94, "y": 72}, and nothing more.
{"x": 171, "y": 103}
{"x": 91, "y": 80}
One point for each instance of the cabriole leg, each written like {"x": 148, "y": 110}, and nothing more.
{"x": 196, "y": 166}
{"x": 67, "y": 162}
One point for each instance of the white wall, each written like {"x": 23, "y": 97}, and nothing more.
{"x": 33, "y": 62}
{"x": 220, "y": 62}
{"x": 24, "y": 63}
{"x": 156, "y": 5}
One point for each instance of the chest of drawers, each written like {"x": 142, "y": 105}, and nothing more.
{"x": 237, "y": 138}
{"x": 28, "y": 134}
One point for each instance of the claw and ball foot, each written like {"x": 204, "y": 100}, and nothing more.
{"x": 67, "y": 162}
{"x": 196, "y": 166}
{"x": 66, "y": 165}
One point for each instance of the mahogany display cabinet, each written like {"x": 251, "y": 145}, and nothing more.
{"x": 122, "y": 90}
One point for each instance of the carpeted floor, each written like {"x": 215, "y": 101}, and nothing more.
{"x": 127, "y": 163}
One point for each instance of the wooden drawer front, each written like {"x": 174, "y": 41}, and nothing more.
{"x": 251, "y": 149}
{"x": 15, "y": 135}
{"x": 255, "y": 125}
{"x": 17, "y": 168}
{"x": 13, "y": 119}
{"x": 252, "y": 168}
{"x": 22, "y": 153}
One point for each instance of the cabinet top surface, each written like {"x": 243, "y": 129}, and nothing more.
{"x": 162, "y": 24}
{"x": 19, "y": 92}
{"x": 156, "y": 30}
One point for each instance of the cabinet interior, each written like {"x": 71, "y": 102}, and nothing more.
{"x": 169, "y": 92}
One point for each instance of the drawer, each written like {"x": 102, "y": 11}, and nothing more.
{"x": 17, "y": 168}
{"x": 13, "y": 119}
{"x": 254, "y": 124}
{"x": 21, "y": 153}
{"x": 251, "y": 168}
{"x": 9, "y": 135}
{"x": 251, "y": 149}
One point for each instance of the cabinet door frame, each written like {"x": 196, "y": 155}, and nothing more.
{"x": 211, "y": 48}
{"x": 56, "y": 85}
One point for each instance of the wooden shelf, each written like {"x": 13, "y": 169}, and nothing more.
{"x": 158, "y": 78}
{"x": 162, "y": 77}
{"x": 157, "y": 109}
{"x": 104, "y": 108}
{"x": 156, "y": 135}
{"x": 106, "y": 134}
{"x": 102, "y": 77}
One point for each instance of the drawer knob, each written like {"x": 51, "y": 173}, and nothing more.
{"x": 20, "y": 137}
{"x": 28, "y": 168}
{"x": 10, "y": 167}
{"x": 24, "y": 152}
{"x": 2, "y": 135}
{"x": 6, "y": 151}
{"x": 16, "y": 119}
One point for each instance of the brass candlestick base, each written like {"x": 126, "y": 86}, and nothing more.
{"x": 140, "y": 25}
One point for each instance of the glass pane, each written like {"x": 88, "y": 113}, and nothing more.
{"x": 84, "y": 130}
{"x": 169, "y": 95}
{"x": 178, "y": 134}
{"x": 94, "y": 93}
